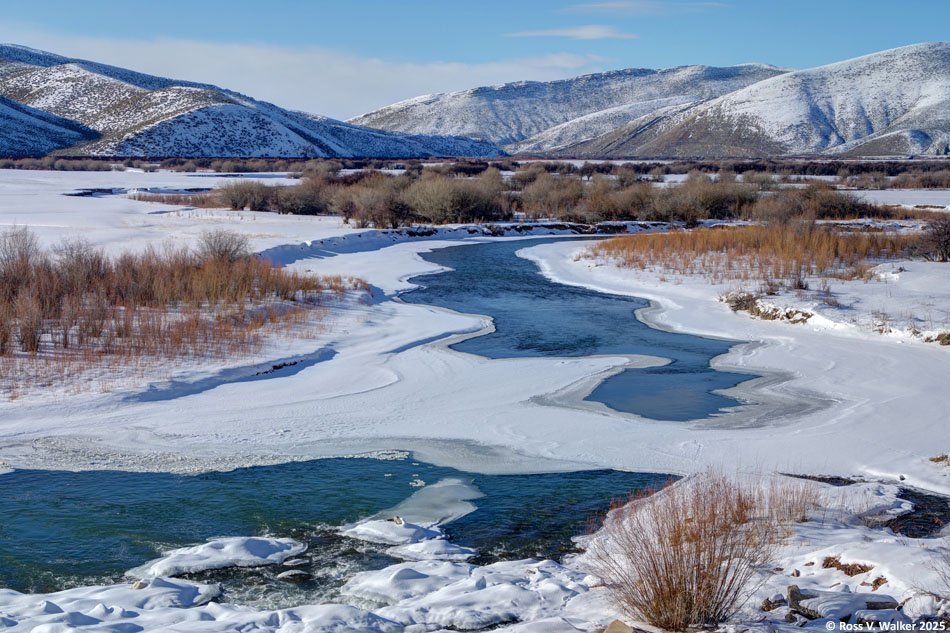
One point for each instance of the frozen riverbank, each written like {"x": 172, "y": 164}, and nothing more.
{"x": 867, "y": 381}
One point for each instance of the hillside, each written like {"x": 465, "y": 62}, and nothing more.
{"x": 25, "y": 131}
{"x": 520, "y": 113}
{"x": 890, "y": 103}
{"x": 133, "y": 114}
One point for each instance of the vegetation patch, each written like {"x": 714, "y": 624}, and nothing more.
{"x": 75, "y": 310}
{"x": 849, "y": 569}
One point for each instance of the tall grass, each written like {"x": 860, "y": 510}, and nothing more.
{"x": 77, "y": 307}
{"x": 767, "y": 252}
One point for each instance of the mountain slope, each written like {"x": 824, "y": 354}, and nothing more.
{"x": 514, "y": 112}
{"x": 141, "y": 115}
{"x": 25, "y": 131}
{"x": 888, "y": 103}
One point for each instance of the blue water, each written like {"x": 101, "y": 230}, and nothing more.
{"x": 62, "y": 529}
{"x": 536, "y": 317}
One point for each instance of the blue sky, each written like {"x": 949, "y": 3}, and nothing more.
{"x": 343, "y": 58}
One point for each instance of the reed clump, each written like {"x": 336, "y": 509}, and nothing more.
{"x": 75, "y": 308}
{"x": 784, "y": 251}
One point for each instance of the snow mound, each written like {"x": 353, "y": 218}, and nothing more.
{"x": 405, "y": 580}
{"x": 503, "y": 592}
{"x": 173, "y": 605}
{"x": 220, "y": 553}
{"x": 433, "y": 550}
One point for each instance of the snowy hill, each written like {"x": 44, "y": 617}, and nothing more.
{"x": 584, "y": 106}
{"x": 25, "y": 131}
{"x": 133, "y": 114}
{"x": 888, "y": 103}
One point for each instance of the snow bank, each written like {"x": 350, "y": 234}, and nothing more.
{"x": 171, "y": 605}
{"x": 220, "y": 553}
{"x": 510, "y": 591}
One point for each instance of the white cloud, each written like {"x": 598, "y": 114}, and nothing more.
{"x": 589, "y": 32}
{"x": 316, "y": 80}
{"x": 641, "y": 7}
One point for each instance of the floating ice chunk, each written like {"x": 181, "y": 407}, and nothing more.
{"x": 398, "y": 582}
{"x": 392, "y": 532}
{"x": 433, "y": 550}
{"x": 240, "y": 551}
{"x": 442, "y": 502}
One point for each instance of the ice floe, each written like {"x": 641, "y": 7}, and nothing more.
{"x": 220, "y": 553}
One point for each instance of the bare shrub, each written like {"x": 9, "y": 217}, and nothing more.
{"x": 936, "y": 243}
{"x": 29, "y": 322}
{"x": 245, "y": 194}
{"x": 438, "y": 199}
{"x": 6, "y": 325}
{"x": 550, "y": 196}
{"x": 310, "y": 197}
{"x": 221, "y": 244}
{"x": 685, "y": 556}
{"x": 942, "y": 568}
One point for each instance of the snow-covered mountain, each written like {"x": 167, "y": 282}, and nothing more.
{"x": 26, "y": 131}
{"x": 888, "y": 103}
{"x": 119, "y": 112}
{"x": 523, "y": 113}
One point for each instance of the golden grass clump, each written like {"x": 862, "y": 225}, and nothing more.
{"x": 688, "y": 555}
{"x": 767, "y": 252}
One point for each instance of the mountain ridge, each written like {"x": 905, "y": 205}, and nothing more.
{"x": 135, "y": 114}
{"x": 513, "y": 113}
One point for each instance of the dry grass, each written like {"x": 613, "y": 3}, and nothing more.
{"x": 789, "y": 500}
{"x": 202, "y": 200}
{"x": 848, "y": 569}
{"x": 688, "y": 555}
{"x": 75, "y": 310}
{"x": 765, "y": 252}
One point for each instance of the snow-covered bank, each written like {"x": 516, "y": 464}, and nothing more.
{"x": 838, "y": 557}
{"x": 866, "y": 381}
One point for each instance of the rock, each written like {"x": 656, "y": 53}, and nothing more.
{"x": 139, "y": 584}
{"x": 768, "y": 605}
{"x": 296, "y": 562}
{"x": 836, "y": 605}
{"x": 618, "y": 627}
{"x": 878, "y": 616}
{"x": 294, "y": 575}
{"x": 795, "y": 596}
{"x": 795, "y": 573}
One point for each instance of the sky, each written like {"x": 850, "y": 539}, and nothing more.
{"x": 341, "y": 59}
